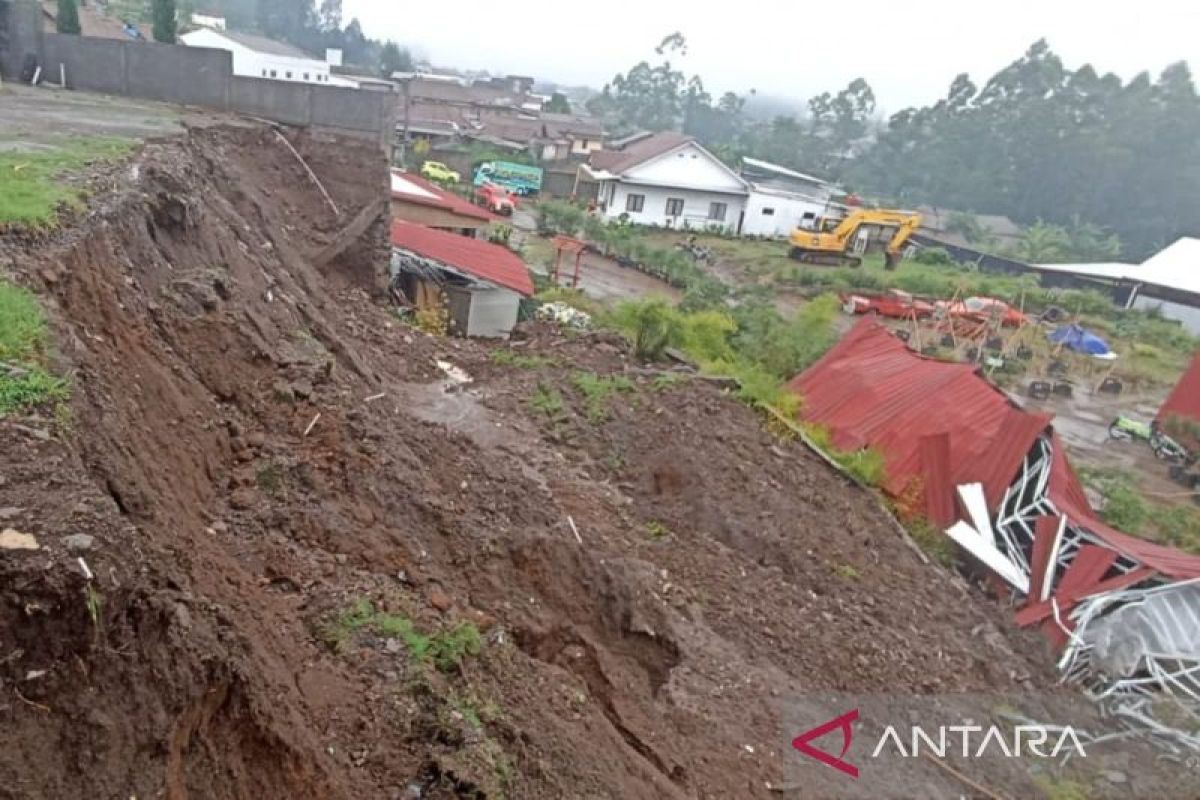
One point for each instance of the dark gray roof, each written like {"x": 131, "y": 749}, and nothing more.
{"x": 261, "y": 44}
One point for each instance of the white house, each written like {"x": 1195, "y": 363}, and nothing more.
{"x": 260, "y": 57}
{"x": 667, "y": 180}
{"x": 782, "y": 199}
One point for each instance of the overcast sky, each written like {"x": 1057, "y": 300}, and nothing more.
{"x": 907, "y": 51}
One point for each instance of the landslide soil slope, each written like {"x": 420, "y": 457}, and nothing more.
{"x": 257, "y": 445}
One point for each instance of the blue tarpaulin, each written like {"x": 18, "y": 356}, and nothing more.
{"x": 1080, "y": 340}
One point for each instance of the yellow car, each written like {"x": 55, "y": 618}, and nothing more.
{"x": 439, "y": 172}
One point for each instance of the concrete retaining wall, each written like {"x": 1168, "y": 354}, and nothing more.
{"x": 190, "y": 76}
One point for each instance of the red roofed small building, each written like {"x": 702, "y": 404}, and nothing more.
{"x": 479, "y": 283}
{"x": 417, "y": 200}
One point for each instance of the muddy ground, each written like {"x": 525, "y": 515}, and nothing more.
{"x": 272, "y": 524}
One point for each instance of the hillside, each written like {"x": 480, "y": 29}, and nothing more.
{"x": 284, "y": 553}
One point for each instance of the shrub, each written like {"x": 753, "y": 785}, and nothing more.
{"x": 652, "y": 325}
{"x": 934, "y": 256}
{"x": 596, "y": 391}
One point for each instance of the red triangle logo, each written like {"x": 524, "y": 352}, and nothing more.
{"x": 846, "y": 723}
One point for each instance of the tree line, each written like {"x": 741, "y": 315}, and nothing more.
{"x": 1096, "y": 167}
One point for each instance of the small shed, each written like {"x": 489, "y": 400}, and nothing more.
{"x": 479, "y": 283}
{"x": 417, "y": 200}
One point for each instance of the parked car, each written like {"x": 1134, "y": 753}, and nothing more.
{"x": 984, "y": 309}
{"x": 496, "y": 198}
{"x": 439, "y": 172}
{"x": 895, "y": 303}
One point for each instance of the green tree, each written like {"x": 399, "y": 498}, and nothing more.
{"x": 393, "y": 58}
{"x": 164, "y": 21}
{"x": 67, "y": 19}
{"x": 557, "y": 104}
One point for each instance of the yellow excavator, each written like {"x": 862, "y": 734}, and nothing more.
{"x": 830, "y": 242}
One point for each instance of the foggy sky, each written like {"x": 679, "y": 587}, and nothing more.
{"x": 908, "y": 51}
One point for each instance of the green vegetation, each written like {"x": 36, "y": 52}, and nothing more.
{"x": 547, "y": 400}
{"x": 31, "y": 189}
{"x": 596, "y": 391}
{"x": 936, "y": 544}
{"x": 512, "y": 358}
{"x": 865, "y": 465}
{"x": 163, "y": 14}
{"x": 1061, "y": 788}
{"x": 445, "y": 649}
{"x": 1127, "y": 509}
{"x": 67, "y": 17}
{"x": 846, "y": 572}
{"x": 270, "y": 478}
{"x": 657, "y": 530}
{"x": 24, "y": 380}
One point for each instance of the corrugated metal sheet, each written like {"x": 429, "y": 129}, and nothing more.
{"x": 871, "y": 390}
{"x": 939, "y": 495}
{"x": 1184, "y": 400}
{"x": 485, "y": 260}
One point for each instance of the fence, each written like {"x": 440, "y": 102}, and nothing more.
{"x": 188, "y": 75}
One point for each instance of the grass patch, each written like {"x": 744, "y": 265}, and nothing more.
{"x": 511, "y": 358}
{"x": 445, "y": 649}
{"x": 866, "y": 465}
{"x": 657, "y": 530}
{"x": 596, "y": 391}
{"x": 936, "y": 544}
{"x": 547, "y": 400}
{"x": 846, "y": 572}
{"x": 270, "y": 478}
{"x": 24, "y": 380}
{"x": 31, "y": 185}
{"x": 1061, "y": 788}
{"x": 1127, "y": 509}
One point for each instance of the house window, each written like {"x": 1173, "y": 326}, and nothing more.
{"x": 306, "y": 76}
{"x": 674, "y": 206}
{"x": 635, "y": 202}
{"x": 288, "y": 74}
{"x": 272, "y": 73}
{"x": 584, "y": 144}
{"x": 768, "y": 212}
{"x": 264, "y": 73}
{"x": 716, "y": 211}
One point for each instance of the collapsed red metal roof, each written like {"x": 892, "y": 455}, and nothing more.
{"x": 1184, "y": 399}
{"x": 939, "y": 425}
{"x": 871, "y": 390}
{"x": 484, "y": 260}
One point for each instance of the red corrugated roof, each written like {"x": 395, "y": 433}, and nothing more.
{"x": 871, "y": 390}
{"x": 484, "y": 260}
{"x": 1184, "y": 400}
{"x": 447, "y": 201}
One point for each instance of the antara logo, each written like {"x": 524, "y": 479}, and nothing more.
{"x": 1025, "y": 739}
{"x": 846, "y": 723}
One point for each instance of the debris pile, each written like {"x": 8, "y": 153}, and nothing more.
{"x": 997, "y": 478}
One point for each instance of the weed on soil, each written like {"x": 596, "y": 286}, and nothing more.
{"x": 24, "y": 381}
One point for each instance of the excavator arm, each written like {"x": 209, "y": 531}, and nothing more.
{"x": 896, "y": 246}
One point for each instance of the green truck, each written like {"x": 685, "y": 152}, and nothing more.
{"x": 517, "y": 178}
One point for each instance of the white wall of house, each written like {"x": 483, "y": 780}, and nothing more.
{"x": 1188, "y": 316}
{"x": 581, "y": 146}
{"x": 651, "y": 209}
{"x": 253, "y": 64}
{"x": 777, "y": 214}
